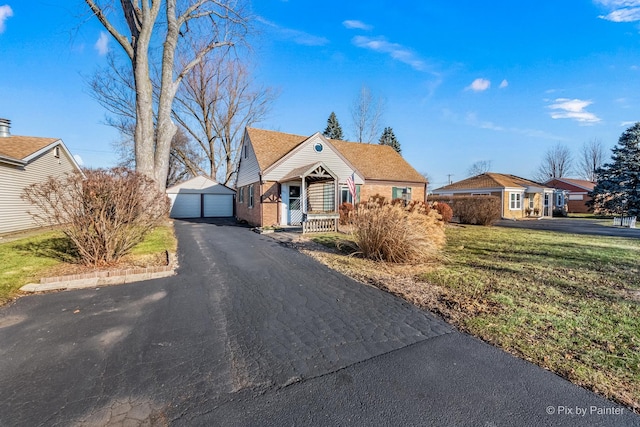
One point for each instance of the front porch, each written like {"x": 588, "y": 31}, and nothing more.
{"x": 310, "y": 198}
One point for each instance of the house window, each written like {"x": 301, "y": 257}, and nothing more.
{"x": 345, "y": 194}
{"x": 241, "y": 195}
{"x": 559, "y": 198}
{"x": 245, "y": 151}
{"x": 531, "y": 201}
{"x": 403, "y": 193}
{"x": 250, "y": 196}
{"x": 56, "y": 152}
{"x": 515, "y": 201}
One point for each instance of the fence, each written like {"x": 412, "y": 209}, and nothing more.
{"x": 319, "y": 225}
{"x": 625, "y": 221}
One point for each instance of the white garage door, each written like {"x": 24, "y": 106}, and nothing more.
{"x": 218, "y": 205}
{"x": 185, "y": 206}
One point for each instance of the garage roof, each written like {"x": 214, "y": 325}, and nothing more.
{"x": 198, "y": 185}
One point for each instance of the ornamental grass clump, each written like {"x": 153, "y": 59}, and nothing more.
{"x": 393, "y": 233}
{"x": 104, "y": 213}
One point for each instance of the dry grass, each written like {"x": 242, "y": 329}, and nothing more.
{"x": 388, "y": 232}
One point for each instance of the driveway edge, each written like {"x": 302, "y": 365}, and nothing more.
{"x": 102, "y": 278}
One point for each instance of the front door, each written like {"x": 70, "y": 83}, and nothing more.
{"x": 547, "y": 208}
{"x": 295, "y": 205}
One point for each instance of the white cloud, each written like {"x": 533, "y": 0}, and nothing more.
{"x": 472, "y": 119}
{"x": 354, "y": 24}
{"x": 396, "y": 51}
{"x": 78, "y": 160}
{"x": 628, "y": 123}
{"x": 296, "y": 36}
{"x": 621, "y": 10}
{"x": 102, "y": 45}
{"x": 504, "y": 84}
{"x": 565, "y": 108}
{"x": 479, "y": 85}
{"x": 5, "y": 13}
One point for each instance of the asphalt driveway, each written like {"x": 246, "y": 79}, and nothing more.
{"x": 253, "y": 333}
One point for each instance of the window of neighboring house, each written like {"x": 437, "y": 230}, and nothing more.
{"x": 559, "y": 199}
{"x": 576, "y": 197}
{"x": 56, "y": 152}
{"x": 515, "y": 201}
{"x": 531, "y": 201}
{"x": 250, "y": 204}
{"x": 401, "y": 193}
{"x": 345, "y": 194}
{"x": 241, "y": 195}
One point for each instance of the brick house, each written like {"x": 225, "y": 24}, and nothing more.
{"x": 286, "y": 179}
{"x": 571, "y": 194}
{"x": 520, "y": 197}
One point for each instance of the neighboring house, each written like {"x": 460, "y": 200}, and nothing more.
{"x": 200, "y": 197}
{"x": 26, "y": 160}
{"x": 519, "y": 196}
{"x": 286, "y": 179}
{"x": 571, "y": 195}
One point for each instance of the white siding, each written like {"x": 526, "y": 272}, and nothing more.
{"x": 13, "y": 180}
{"x": 218, "y": 205}
{"x": 248, "y": 168}
{"x": 306, "y": 155}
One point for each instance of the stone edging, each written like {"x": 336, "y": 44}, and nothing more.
{"x": 102, "y": 278}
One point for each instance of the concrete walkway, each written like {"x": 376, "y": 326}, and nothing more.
{"x": 251, "y": 332}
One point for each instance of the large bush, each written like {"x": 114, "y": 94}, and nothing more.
{"x": 391, "y": 232}
{"x": 478, "y": 210}
{"x": 104, "y": 214}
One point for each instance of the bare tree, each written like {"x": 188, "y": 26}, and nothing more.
{"x": 479, "y": 167}
{"x": 556, "y": 163}
{"x": 590, "y": 159}
{"x": 366, "y": 113}
{"x": 216, "y": 102}
{"x": 191, "y": 29}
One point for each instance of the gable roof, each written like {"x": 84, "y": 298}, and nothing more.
{"x": 200, "y": 184}
{"x": 580, "y": 183}
{"x": 22, "y": 147}
{"x": 373, "y": 161}
{"x": 490, "y": 180}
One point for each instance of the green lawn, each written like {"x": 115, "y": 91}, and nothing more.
{"x": 570, "y": 303}
{"x": 27, "y": 260}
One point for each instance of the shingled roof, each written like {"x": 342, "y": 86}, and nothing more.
{"x": 374, "y": 161}
{"x": 21, "y": 147}
{"x": 490, "y": 180}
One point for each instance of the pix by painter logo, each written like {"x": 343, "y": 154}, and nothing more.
{"x": 581, "y": 411}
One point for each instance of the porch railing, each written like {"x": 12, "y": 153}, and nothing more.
{"x": 320, "y": 223}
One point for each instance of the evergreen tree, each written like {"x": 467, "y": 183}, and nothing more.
{"x": 618, "y": 186}
{"x": 389, "y": 138}
{"x": 333, "y": 130}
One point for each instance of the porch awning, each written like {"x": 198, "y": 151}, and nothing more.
{"x": 314, "y": 172}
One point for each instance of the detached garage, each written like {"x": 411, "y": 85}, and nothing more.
{"x": 201, "y": 197}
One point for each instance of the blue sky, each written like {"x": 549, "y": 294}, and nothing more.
{"x": 462, "y": 81}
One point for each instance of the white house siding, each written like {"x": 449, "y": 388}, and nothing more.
{"x": 13, "y": 180}
{"x": 248, "y": 168}
{"x": 305, "y": 155}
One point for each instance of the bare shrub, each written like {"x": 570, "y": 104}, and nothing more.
{"x": 104, "y": 214}
{"x": 479, "y": 210}
{"x": 390, "y": 232}
{"x": 345, "y": 210}
{"x": 444, "y": 210}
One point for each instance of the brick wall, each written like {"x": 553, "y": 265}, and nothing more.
{"x": 369, "y": 190}
{"x": 270, "y": 203}
{"x": 244, "y": 212}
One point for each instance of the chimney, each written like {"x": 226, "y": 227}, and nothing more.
{"x": 5, "y": 128}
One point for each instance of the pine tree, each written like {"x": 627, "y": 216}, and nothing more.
{"x": 333, "y": 130}
{"x": 618, "y": 187}
{"x": 389, "y": 138}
